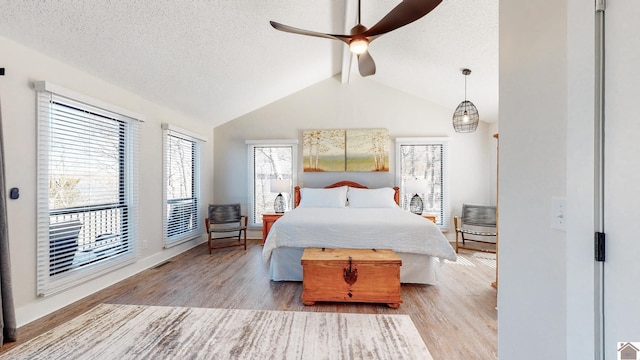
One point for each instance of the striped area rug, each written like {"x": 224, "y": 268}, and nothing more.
{"x": 155, "y": 332}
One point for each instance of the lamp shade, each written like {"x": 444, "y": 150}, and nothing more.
{"x": 415, "y": 186}
{"x": 466, "y": 118}
{"x": 280, "y": 186}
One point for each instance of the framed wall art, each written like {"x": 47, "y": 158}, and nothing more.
{"x": 323, "y": 150}
{"x": 367, "y": 150}
{"x": 345, "y": 150}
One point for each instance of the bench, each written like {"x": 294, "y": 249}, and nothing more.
{"x": 477, "y": 224}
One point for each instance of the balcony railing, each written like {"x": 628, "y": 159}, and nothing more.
{"x": 182, "y": 216}
{"x": 80, "y": 236}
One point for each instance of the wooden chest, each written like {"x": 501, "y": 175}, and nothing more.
{"x": 351, "y": 275}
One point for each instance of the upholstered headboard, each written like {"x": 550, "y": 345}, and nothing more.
{"x": 296, "y": 191}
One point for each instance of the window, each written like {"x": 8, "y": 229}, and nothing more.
{"x": 87, "y": 188}
{"x": 269, "y": 160}
{"x": 181, "y": 221}
{"x": 425, "y": 159}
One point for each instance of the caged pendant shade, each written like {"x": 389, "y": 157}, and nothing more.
{"x": 466, "y": 118}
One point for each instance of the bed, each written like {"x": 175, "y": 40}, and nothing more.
{"x": 371, "y": 220}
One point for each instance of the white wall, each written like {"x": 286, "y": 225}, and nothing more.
{"x": 493, "y": 164}
{"x": 532, "y": 308}
{"x": 580, "y": 180}
{"x": 23, "y": 66}
{"x": 362, "y": 103}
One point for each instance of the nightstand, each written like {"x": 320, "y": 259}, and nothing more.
{"x": 267, "y": 221}
{"x": 430, "y": 217}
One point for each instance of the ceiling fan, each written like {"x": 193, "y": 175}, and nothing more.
{"x": 404, "y": 13}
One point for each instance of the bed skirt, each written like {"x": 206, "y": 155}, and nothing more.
{"x": 416, "y": 268}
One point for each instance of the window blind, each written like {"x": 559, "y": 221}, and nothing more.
{"x": 181, "y": 220}
{"x": 425, "y": 159}
{"x": 87, "y": 191}
{"x": 269, "y": 160}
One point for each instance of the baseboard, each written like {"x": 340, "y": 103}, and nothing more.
{"x": 45, "y": 305}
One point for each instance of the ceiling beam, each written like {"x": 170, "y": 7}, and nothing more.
{"x": 350, "y": 20}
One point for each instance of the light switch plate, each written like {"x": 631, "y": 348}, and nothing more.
{"x": 559, "y": 213}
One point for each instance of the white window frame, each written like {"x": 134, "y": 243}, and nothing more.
{"x": 252, "y": 144}
{"x": 445, "y": 216}
{"x": 194, "y": 214}
{"x": 48, "y": 281}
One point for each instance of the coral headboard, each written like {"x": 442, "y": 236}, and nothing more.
{"x": 296, "y": 191}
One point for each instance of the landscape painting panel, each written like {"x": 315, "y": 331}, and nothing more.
{"x": 367, "y": 150}
{"x": 323, "y": 150}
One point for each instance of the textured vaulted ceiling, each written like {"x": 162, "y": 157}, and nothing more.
{"x": 217, "y": 60}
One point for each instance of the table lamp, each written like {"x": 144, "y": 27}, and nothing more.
{"x": 415, "y": 186}
{"x": 280, "y": 186}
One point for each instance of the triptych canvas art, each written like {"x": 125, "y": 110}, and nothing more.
{"x": 346, "y": 150}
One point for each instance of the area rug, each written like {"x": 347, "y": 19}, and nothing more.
{"x": 483, "y": 258}
{"x": 155, "y": 332}
{"x": 488, "y": 259}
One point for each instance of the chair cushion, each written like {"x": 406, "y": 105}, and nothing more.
{"x": 478, "y": 215}
{"x": 476, "y": 232}
{"x": 224, "y": 214}
{"x": 213, "y": 228}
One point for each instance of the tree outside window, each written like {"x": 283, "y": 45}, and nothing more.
{"x": 269, "y": 161}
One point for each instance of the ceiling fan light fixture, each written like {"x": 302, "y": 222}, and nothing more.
{"x": 359, "y": 46}
{"x": 466, "y": 117}
{"x": 406, "y": 12}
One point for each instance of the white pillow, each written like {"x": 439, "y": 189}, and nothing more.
{"x": 372, "y": 198}
{"x": 332, "y": 198}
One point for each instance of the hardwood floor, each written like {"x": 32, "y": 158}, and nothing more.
{"x": 457, "y": 318}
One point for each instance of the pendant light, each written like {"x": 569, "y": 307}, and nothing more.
{"x": 465, "y": 118}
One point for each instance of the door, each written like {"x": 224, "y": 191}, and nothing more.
{"x": 622, "y": 175}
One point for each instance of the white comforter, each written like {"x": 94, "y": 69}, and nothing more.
{"x": 358, "y": 228}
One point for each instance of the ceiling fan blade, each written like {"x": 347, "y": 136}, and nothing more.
{"x": 405, "y": 13}
{"x": 293, "y": 30}
{"x": 366, "y": 65}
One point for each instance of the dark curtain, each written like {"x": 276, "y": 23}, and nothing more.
{"x": 8, "y": 320}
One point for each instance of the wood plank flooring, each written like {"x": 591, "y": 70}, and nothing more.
{"x": 456, "y": 319}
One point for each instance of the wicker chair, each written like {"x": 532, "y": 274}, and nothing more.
{"x": 478, "y": 222}
{"x": 227, "y": 220}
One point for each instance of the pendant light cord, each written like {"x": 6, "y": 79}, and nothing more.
{"x": 465, "y": 87}
{"x": 466, "y": 73}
